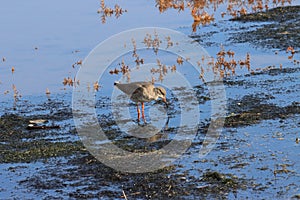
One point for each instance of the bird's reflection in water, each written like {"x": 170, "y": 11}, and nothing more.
{"x": 148, "y": 131}
{"x": 162, "y": 135}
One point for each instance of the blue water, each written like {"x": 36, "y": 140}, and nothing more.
{"x": 43, "y": 39}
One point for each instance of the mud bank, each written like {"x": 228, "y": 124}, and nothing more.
{"x": 280, "y": 28}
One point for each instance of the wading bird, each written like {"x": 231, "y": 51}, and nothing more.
{"x": 141, "y": 92}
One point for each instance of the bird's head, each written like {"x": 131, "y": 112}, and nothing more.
{"x": 161, "y": 93}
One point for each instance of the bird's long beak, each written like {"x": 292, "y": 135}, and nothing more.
{"x": 165, "y": 101}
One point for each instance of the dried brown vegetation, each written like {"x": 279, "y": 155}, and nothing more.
{"x": 106, "y": 11}
{"x": 124, "y": 69}
{"x": 223, "y": 65}
{"x": 96, "y": 86}
{"x": 162, "y": 70}
{"x": 292, "y": 51}
{"x": 202, "y": 11}
{"x": 78, "y": 63}
{"x": 155, "y": 42}
{"x": 17, "y": 96}
{"x": 70, "y": 82}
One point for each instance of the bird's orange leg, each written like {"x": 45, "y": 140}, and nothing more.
{"x": 143, "y": 112}
{"x": 138, "y": 111}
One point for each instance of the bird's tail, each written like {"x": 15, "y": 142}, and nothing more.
{"x": 116, "y": 82}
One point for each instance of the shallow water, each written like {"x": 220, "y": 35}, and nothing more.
{"x": 43, "y": 39}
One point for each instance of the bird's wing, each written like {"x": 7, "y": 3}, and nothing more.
{"x": 142, "y": 84}
{"x": 142, "y": 94}
{"x": 129, "y": 88}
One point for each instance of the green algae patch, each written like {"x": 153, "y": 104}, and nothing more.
{"x": 260, "y": 112}
{"x": 17, "y": 144}
{"x": 31, "y": 151}
{"x": 223, "y": 180}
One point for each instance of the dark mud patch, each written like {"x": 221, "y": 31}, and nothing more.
{"x": 251, "y": 110}
{"x": 282, "y": 30}
{"x": 279, "y": 14}
{"x": 270, "y": 70}
{"x": 95, "y": 180}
